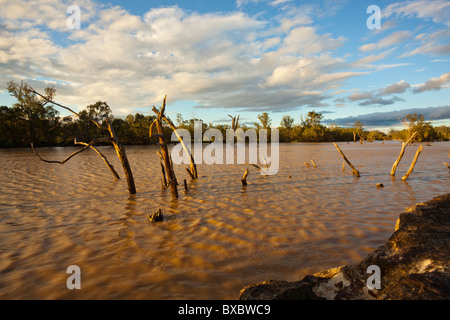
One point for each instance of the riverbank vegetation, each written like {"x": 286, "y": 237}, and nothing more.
{"x": 34, "y": 120}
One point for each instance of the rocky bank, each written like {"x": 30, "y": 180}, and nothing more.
{"x": 413, "y": 265}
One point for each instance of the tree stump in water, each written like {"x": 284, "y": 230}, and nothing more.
{"x": 156, "y": 217}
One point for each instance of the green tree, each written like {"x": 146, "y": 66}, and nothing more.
{"x": 443, "y": 133}
{"x": 34, "y": 114}
{"x": 12, "y": 127}
{"x": 312, "y": 130}
{"x": 313, "y": 119}
{"x": 416, "y": 122}
{"x": 358, "y": 129}
{"x": 286, "y": 129}
{"x": 265, "y": 121}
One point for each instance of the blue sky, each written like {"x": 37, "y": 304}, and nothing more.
{"x": 238, "y": 57}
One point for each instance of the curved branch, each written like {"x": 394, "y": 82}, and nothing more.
{"x": 193, "y": 168}
{"x": 87, "y": 146}
{"x": 111, "y": 168}
{"x": 60, "y": 105}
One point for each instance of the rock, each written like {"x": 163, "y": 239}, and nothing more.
{"x": 413, "y": 264}
{"x": 156, "y": 217}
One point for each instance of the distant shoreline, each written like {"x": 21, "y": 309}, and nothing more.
{"x": 206, "y": 143}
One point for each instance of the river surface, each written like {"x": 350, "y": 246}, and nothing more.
{"x": 216, "y": 238}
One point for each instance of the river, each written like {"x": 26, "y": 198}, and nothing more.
{"x": 216, "y": 238}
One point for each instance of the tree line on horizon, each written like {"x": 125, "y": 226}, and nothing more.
{"x": 33, "y": 120}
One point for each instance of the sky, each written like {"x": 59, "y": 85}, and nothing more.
{"x": 237, "y": 57}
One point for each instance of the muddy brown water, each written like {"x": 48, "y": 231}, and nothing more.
{"x": 216, "y": 238}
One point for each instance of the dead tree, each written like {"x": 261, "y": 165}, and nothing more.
{"x": 244, "y": 177}
{"x": 355, "y": 172}
{"x": 120, "y": 150}
{"x": 413, "y": 163}
{"x": 234, "y": 122}
{"x": 192, "y": 170}
{"x": 166, "y": 164}
{"x": 402, "y": 151}
{"x": 445, "y": 163}
{"x": 86, "y": 146}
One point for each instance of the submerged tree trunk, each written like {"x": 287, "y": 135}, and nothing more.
{"x": 411, "y": 168}
{"x": 355, "y": 172}
{"x": 123, "y": 158}
{"x": 168, "y": 165}
{"x": 120, "y": 150}
{"x": 244, "y": 177}
{"x": 193, "y": 167}
{"x": 234, "y": 122}
{"x": 402, "y": 151}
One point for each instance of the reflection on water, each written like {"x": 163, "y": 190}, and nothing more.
{"x": 216, "y": 238}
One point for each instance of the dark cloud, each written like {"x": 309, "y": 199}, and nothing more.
{"x": 267, "y": 101}
{"x": 399, "y": 87}
{"x": 385, "y": 119}
{"x": 379, "y": 101}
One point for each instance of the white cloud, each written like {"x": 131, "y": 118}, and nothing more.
{"x": 433, "y": 83}
{"x": 277, "y": 2}
{"x": 434, "y": 43}
{"x": 436, "y": 10}
{"x": 20, "y": 14}
{"x": 216, "y": 59}
{"x": 367, "y": 61}
{"x": 241, "y": 3}
{"x": 393, "y": 39}
{"x": 226, "y": 60}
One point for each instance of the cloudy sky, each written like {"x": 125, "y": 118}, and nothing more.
{"x": 213, "y": 58}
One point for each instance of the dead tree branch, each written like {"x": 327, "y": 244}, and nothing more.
{"x": 167, "y": 168}
{"x": 192, "y": 170}
{"x": 110, "y": 167}
{"x": 244, "y": 177}
{"x": 402, "y": 151}
{"x": 411, "y": 168}
{"x": 87, "y": 146}
{"x": 120, "y": 150}
{"x": 234, "y": 122}
{"x": 355, "y": 172}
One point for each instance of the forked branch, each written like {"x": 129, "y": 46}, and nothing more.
{"x": 87, "y": 146}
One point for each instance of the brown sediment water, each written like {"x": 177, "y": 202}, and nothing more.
{"x": 216, "y": 238}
